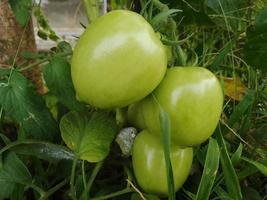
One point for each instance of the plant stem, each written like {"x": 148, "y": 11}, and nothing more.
{"x": 72, "y": 177}
{"x": 54, "y": 189}
{"x": 37, "y": 189}
{"x": 84, "y": 177}
{"x": 91, "y": 179}
{"x": 43, "y": 61}
{"x": 93, "y": 176}
{"x": 118, "y": 193}
{"x": 91, "y": 9}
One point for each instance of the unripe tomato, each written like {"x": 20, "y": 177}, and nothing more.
{"x": 149, "y": 164}
{"x": 193, "y": 98}
{"x": 118, "y": 60}
{"x": 135, "y": 115}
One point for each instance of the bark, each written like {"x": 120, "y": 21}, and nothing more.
{"x": 10, "y": 35}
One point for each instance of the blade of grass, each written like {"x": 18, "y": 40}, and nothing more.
{"x": 231, "y": 180}
{"x": 210, "y": 170}
{"x": 166, "y": 140}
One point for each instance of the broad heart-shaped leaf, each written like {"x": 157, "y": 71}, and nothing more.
{"x": 89, "y": 136}
{"x": 21, "y": 10}
{"x": 12, "y": 171}
{"x": 58, "y": 79}
{"x": 20, "y": 101}
{"x": 255, "y": 49}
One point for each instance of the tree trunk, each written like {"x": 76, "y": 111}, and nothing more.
{"x": 10, "y": 35}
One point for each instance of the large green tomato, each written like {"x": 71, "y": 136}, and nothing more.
{"x": 118, "y": 60}
{"x": 149, "y": 164}
{"x": 193, "y": 98}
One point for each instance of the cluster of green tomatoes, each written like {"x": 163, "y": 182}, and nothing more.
{"x": 119, "y": 61}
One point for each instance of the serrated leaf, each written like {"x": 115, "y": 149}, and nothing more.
{"x": 57, "y": 76}
{"x": 210, "y": 171}
{"x": 20, "y": 101}
{"x": 21, "y": 10}
{"x": 89, "y": 136}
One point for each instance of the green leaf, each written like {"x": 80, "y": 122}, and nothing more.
{"x": 166, "y": 140}
{"x": 42, "y": 150}
{"x": 20, "y": 101}
{"x": 262, "y": 167}
{"x": 231, "y": 11}
{"x": 236, "y": 157}
{"x": 250, "y": 193}
{"x": 57, "y": 76}
{"x": 21, "y": 10}
{"x": 6, "y": 189}
{"x": 231, "y": 180}
{"x": 162, "y": 17}
{"x": 89, "y": 136}
{"x": 14, "y": 170}
{"x": 210, "y": 171}
{"x": 255, "y": 49}
{"x": 242, "y": 107}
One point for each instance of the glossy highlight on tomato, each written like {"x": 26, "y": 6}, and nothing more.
{"x": 117, "y": 61}
{"x": 193, "y": 98}
{"x": 149, "y": 164}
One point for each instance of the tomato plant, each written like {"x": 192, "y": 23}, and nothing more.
{"x": 149, "y": 164}
{"x": 116, "y": 55}
{"x": 192, "y": 96}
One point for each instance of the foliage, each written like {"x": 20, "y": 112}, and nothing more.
{"x": 228, "y": 37}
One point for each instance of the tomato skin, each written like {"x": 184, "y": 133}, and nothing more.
{"x": 135, "y": 115}
{"x": 118, "y": 60}
{"x": 149, "y": 164}
{"x": 193, "y": 98}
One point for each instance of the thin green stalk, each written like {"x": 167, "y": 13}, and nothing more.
{"x": 93, "y": 176}
{"x": 91, "y": 9}
{"x": 37, "y": 189}
{"x": 39, "y": 62}
{"x": 54, "y": 189}
{"x": 84, "y": 177}
{"x": 91, "y": 180}
{"x": 111, "y": 195}
{"x": 72, "y": 177}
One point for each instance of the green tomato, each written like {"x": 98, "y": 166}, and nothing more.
{"x": 118, "y": 60}
{"x": 149, "y": 164}
{"x": 135, "y": 115}
{"x": 193, "y": 99}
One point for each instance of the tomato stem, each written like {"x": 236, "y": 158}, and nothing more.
{"x": 111, "y": 195}
{"x": 91, "y": 9}
{"x": 72, "y": 177}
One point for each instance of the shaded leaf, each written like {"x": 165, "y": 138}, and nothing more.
{"x": 42, "y": 150}
{"x": 89, "y": 136}
{"x": 58, "y": 79}
{"x": 14, "y": 170}
{"x": 21, "y": 10}
{"x": 19, "y": 100}
{"x": 210, "y": 171}
{"x": 255, "y": 49}
{"x": 230, "y": 176}
{"x": 236, "y": 157}
{"x": 262, "y": 167}
{"x": 251, "y": 194}
{"x": 242, "y": 107}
